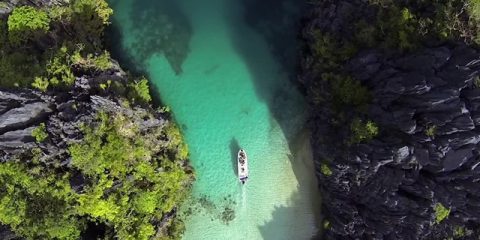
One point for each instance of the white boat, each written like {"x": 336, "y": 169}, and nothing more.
{"x": 242, "y": 163}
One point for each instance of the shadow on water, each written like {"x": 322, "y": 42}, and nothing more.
{"x": 277, "y": 22}
{"x": 234, "y": 148}
{"x": 159, "y": 27}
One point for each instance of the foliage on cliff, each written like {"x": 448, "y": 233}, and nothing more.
{"x": 131, "y": 183}
{"x": 36, "y": 44}
{"x": 125, "y": 174}
{"x": 358, "y": 58}
{"x": 393, "y": 26}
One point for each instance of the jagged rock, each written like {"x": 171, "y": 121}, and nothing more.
{"x": 428, "y": 111}
{"x": 18, "y": 139}
{"x": 23, "y": 116}
{"x": 7, "y": 234}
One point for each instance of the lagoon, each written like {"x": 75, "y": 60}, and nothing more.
{"x": 228, "y": 83}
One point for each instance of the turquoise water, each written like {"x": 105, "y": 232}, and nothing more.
{"x": 232, "y": 92}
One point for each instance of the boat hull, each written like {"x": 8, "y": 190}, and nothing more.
{"x": 242, "y": 164}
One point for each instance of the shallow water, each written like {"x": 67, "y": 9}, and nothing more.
{"x": 232, "y": 92}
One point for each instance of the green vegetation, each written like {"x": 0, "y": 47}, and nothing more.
{"x": 325, "y": 169}
{"x": 152, "y": 183}
{"x": 459, "y": 232}
{"x": 101, "y": 62}
{"x": 476, "y": 82}
{"x": 363, "y": 131}
{"x": 27, "y": 23}
{"x": 431, "y": 130}
{"x": 58, "y": 34}
{"x": 441, "y": 212}
{"x": 394, "y": 27}
{"x": 37, "y": 203}
{"x": 140, "y": 92}
{"x": 347, "y": 92}
{"x": 132, "y": 182}
{"x": 326, "y": 224}
{"x": 58, "y": 72}
{"x": 40, "y": 133}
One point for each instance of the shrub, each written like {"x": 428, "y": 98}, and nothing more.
{"x": 326, "y": 224}
{"x": 58, "y": 71}
{"x": 26, "y": 23}
{"x": 99, "y": 62}
{"x": 139, "y": 91}
{"x": 431, "y": 130}
{"x": 40, "y": 133}
{"x": 89, "y": 19}
{"x": 325, "y": 169}
{"x": 346, "y": 91}
{"x": 40, "y": 84}
{"x": 331, "y": 52}
{"x": 363, "y": 131}
{"x": 474, "y": 9}
{"x": 441, "y": 212}
{"x": 459, "y": 232}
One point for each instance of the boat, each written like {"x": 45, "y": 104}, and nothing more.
{"x": 242, "y": 163}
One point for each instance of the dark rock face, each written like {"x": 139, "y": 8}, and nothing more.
{"x": 427, "y": 106}
{"x": 21, "y": 111}
{"x": 6, "y": 234}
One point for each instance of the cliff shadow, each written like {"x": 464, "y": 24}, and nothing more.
{"x": 158, "y": 27}
{"x": 264, "y": 35}
{"x": 278, "y": 22}
{"x": 234, "y": 148}
{"x": 113, "y": 42}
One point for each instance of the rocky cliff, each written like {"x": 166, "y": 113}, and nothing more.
{"x": 84, "y": 154}
{"x": 416, "y": 177}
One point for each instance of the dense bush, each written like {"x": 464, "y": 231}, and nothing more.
{"x": 64, "y": 29}
{"x": 37, "y": 202}
{"x": 26, "y": 23}
{"x": 441, "y": 212}
{"x": 346, "y": 91}
{"x": 40, "y": 133}
{"x": 148, "y": 183}
{"x": 363, "y": 130}
{"x": 58, "y": 71}
{"x": 131, "y": 183}
{"x": 139, "y": 91}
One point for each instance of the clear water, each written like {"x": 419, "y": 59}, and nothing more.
{"x": 233, "y": 93}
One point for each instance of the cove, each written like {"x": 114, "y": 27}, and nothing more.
{"x": 228, "y": 87}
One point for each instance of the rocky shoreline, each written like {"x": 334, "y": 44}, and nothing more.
{"x": 416, "y": 177}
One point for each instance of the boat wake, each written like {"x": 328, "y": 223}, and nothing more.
{"x": 244, "y": 197}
